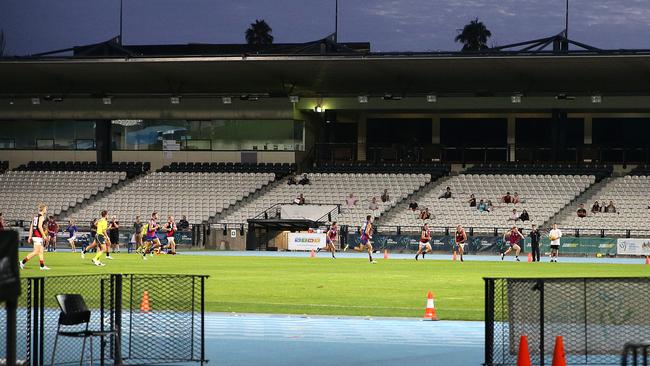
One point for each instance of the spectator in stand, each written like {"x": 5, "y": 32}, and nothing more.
{"x": 595, "y": 208}
{"x": 300, "y": 200}
{"x": 482, "y": 206}
{"x": 413, "y": 206}
{"x": 582, "y": 212}
{"x": 2, "y": 222}
{"x": 425, "y": 214}
{"x": 524, "y": 216}
{"x": 507, "y": 198}
{"x": 489, "y": 205}
{"x": 291, "y": 181}
{"x": 373, "y": 204}
{"x": 183, "y": 224}
{"x": 515, "y": 216}
{"x": 384, "y": 196}
{"x": 304, "y": 180}
{"x": 610, "y": 208}
{"x": 516, "y": 199}
{"x": 446, "y": 194}
{"x": 351, "y": 200}
{"x": 472, "y": 201}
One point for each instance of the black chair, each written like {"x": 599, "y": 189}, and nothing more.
{"x": 75, "y": 312}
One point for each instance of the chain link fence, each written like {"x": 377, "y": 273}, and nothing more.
{"x": 157, "y": 319}
{"x": 595, "y": 316}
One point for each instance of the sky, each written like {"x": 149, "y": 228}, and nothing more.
{"x": 33, "y": 26}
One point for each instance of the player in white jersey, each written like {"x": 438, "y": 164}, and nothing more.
{"x": 554, "y": 235}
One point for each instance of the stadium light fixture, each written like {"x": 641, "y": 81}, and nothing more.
{"x": 564, "y": 96}
{"x": 226, "y": 100}
{"x": 516, "y": 99}
{"x": 319, "y": 109}
{"x": 432, "y": 98}
{"x": 363, "y": 99}
{"x": 36, "y": 101}
{"x": 596, "y": 98}
{"x": 107, "y": 100}
{"x": 175, "y": 100}
{"x": 294, "y": 98}
{"x": 389, "y": 96}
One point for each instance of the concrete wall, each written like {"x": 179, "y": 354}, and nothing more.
{"x": 159, "y": 159}
{"x": 18, "y": 157}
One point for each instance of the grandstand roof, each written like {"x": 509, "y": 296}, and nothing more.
{"x": 583, "y": 73}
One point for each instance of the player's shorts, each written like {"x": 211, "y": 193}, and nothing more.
{"x": 170, "y": 240}
{"x": 101, "y": 239}
{"x": 74, "y": 238}
{"x": 458, "y": 245}
{"x": 364, "y": 240}
{"x": 37, "y": 240}
{"x": 150, "y": 238}
{"x": 425, "y": 243}
{"x": 513, "y": 244}
{"x": 556, "y": 247}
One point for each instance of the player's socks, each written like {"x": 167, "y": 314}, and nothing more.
{"x": 517, "y": 258}
{"x": 503, "y": 255}
{"x": 423, "y": 255}
{"x": 416, "y": 256}
{"x": 318, "y": 250}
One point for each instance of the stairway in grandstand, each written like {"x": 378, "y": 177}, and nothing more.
{"x": 60, "y": 185}
{"x": 217, "y": 218}
{"x": 543, "y": 190}
{"x": 629, "y": 194}
{"x": 332, "y": 185}
{"x": 196, "y": 190}
{"x": 570, "y": 209}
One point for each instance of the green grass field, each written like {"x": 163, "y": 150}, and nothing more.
{"x": 395, "y": 288}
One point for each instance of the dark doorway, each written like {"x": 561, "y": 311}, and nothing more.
{"x": 398, "y": 139}
{"x": 474, "y": 140}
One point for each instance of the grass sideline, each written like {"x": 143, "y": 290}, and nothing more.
{"x": 346, "y": 286}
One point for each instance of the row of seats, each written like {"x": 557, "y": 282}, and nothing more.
{"x": 279, "y": 169}
{"x": 131, "y": 168}
{"x": 598, "y": 170}
{"x": 334, "y": 188}
{"x": 542, "y": 196}
{"x": 630, "y": 197}
{"x": 435, "y": 170}
{"x": 22, "y": 191}
{"x": 198, "y": 196}
{"x": 641, "y": 170}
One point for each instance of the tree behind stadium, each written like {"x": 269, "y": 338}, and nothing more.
{"x": 259, "y": 33}
{"x": 474, "y": 36}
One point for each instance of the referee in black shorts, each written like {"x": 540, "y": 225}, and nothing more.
{"x": 534, "y": 242}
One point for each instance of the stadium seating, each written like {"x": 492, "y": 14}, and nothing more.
{"x": 630, "y": 197}
{"x": 333, "y": 188}
{"x": 280, "y": 169}
{"x": 199, "y": 196}
{"x": 599, "y": 171}
{"x": 4, "y": 166}
{"x": 542, "y": 197}
{"x": 22, "y": 191}
{"x": 132, "y": 169}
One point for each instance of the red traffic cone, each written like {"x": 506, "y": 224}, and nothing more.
{"x": 145, "y": 307}
{"x": 312, "y": 254}
{"x": 385, "y": 253}
{"x": 530, "y": 257}
{"x": 558, "y": 353}
{"x": 647, "y": 260}
{"x": 430, "y": 312}
{"x": 453, "y": 257}
{"x": 523, "y": 358}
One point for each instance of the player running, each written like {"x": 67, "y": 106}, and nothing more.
{"x": 37, "y": 236}
{"x": 512, "y": 237}
{"x": 101, "y": 238}
{"x": 460, "y": 240}
{"x": 170, "y": 229}
{"x": 150, "y": 237}
{"x": 330, "y": 238}
{"x": 366, "y": 236}
{"x": 72, "y": 231}
{"x": 52, "y": 230}
{"x": 425, "y": 238}
{"x": 555, "y": 234}
{"x": 93, "y": 235}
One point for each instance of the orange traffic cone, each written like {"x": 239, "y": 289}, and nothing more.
{"x": 385, "y": 253}
{"x": 144, "y": 303}
{"x": 430, "y": 312}
{"x": 530, "y": 257}
{"x": 312, "y": 254}
{"x": 453, "y": 257}
{"x": 647, "y": 260}
{"x": 558, "y": 353}
{"x": 523, "y": 358}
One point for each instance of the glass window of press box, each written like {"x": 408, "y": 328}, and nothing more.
{"x": 47, "y": 135}
{"x": 208, "y": 135}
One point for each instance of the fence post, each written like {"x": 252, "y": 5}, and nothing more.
{"x": 35, "y": 337}
{"x": 489, "y": 321}
{"x": 202, "y": 320}
{"x": 10, "y": 307}
{"x": 117, "y": 357}
{"x": 102, "y": 346}
{"x": 540, "y": 287}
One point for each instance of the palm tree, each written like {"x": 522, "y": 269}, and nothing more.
{"x": 259, "y": 33}
{"x": 474, "y": 36}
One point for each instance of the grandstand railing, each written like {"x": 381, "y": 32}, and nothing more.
{"x": 173, "y": 314}
{"x": 274, "y": 211}
{"x": 595, "y": 316}
{"x": 636, "y": 354}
